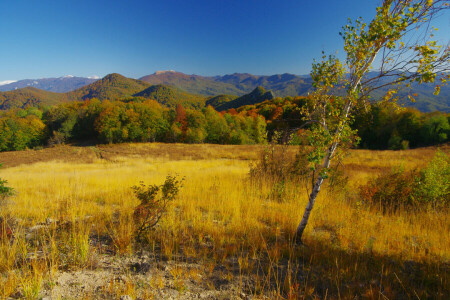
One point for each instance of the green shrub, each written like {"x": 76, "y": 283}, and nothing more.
{"x": 5, "y": 191}
{"x": 433, "y": 182}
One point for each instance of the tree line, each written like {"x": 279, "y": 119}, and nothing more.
{"x": 133, "y": 120}
{"x": 383, "y": 126}
{"x": 379, "y": 125}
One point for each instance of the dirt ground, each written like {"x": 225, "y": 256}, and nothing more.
{"x": 87, "y": 154}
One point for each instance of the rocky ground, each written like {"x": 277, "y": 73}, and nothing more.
{"x": 143, "y": 274}
{"x": 143, "y": 277}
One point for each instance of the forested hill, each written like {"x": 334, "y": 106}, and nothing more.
{"x": 112, "y": 86}
{"x": 29, "y": 96}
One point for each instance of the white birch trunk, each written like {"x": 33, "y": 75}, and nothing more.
{"x": 318, "y": 184}
{"x": 313, "y": 195}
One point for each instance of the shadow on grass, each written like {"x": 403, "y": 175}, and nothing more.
{"x": 320, "y": 270}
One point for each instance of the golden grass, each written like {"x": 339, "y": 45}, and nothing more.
{"x": 218, "y": 207}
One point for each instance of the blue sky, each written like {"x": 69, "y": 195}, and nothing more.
{"x": 206, "y": 37}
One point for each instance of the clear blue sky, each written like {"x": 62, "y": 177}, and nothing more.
{"x": 206, "y": 37}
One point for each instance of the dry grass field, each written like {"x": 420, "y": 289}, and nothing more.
{"x": 223, "y": 237}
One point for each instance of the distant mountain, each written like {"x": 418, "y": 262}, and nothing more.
{"x": 58, "y": 85}
{"x": 171, "y": 96}
{"x": 236, "y": 84}
{"x": 112, "y": 86}
{"x": 258, "y": 95}
{"x": 194, "y": 84}
{"x": 425, "y": 100}
{"x": 283, "y": 85}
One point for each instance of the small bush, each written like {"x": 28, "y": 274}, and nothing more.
{"x": 5, "y": 191}
{"x": 388, "y": 192}
{"x": 154, "y": 200}
{"x": 275, "y": 164}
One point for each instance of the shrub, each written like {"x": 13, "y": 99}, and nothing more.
{"x": 277, "y": 164}
{"x": 429, "y": 187}
{"x": 388, "y": 192}
{"x": 433, "y": 182}
{"x": 154, "y": 200}
{"x": 5, "y": 191}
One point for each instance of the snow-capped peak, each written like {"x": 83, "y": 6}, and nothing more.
{"x": 7, "y": 82}
{"x": 94, "y": 77}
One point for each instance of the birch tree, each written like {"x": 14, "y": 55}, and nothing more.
{"x": 394, "y": 50}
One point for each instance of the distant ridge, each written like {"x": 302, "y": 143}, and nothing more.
{"x": 58, "y": 85}
{"x": 236, "y": 84}
{"x": 194, "y": 84}
{"x": 282, "y": 85}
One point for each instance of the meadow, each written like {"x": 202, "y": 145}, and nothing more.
{"x": 224, "y": 236}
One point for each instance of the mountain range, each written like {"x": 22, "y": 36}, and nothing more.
{"x": 236, "y": 84}
{"x": 58, "y": 85}
{"x": 111, "y": 87}
{"x": 170, "y": 88}
{"x": 282, "y": 85}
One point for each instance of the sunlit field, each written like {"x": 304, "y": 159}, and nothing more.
{"x": 233, "y": 228}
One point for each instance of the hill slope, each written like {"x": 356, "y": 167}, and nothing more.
{"x": 219, "y": 100}
{"x": 29, "y": 96}
{"x": 171, "y": 96}
{"x": 258, "y": 95}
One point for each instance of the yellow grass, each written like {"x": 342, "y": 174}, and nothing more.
{"x": 217, "y": 204}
